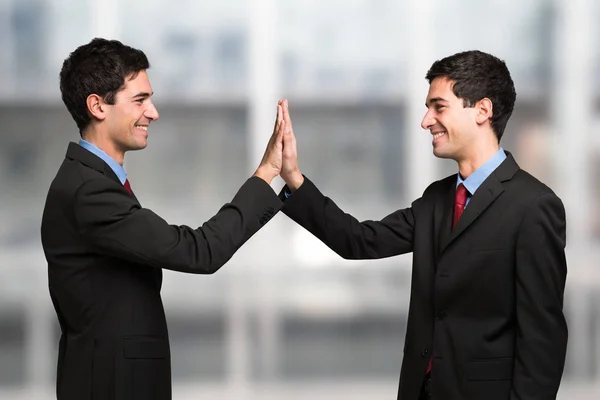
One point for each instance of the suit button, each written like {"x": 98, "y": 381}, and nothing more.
{"x": 424, "y": 353}
{"x": 440, "y": 315}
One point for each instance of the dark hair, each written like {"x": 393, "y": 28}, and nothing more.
{"x": 99, "y": 67}
{"x": 479, "y": 75}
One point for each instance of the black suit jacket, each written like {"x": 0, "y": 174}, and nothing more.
{"x": 105, "y": 254}
{"x": 486, "y": 298}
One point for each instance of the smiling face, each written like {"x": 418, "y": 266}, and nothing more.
{"x": 452, "y": 125}
{"x": 128, "y": 119}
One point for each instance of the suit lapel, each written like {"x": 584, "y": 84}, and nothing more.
{"x": 483, "y": 198}
{"x": 443, "y": 213}
{"x": 78, "y": 153}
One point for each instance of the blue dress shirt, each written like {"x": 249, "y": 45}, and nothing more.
{"x": 115, "y": 166}
{"x": 475, "y": 180}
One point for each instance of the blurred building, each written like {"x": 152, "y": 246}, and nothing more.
{"x": 287, "y": 317}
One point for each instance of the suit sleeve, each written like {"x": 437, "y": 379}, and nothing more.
{"x": 343, "y": 233}
{"x": 115, "y": 225}
{"x": 540, "y": 281}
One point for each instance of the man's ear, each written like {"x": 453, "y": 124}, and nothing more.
{"x": 96, "y": 107}
{"x": 484, "y": 110}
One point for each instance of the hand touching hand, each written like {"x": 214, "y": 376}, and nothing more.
{"x": 290, "y": 172}
{"x": 270, "y": 165}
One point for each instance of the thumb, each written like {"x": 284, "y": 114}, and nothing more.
{"x": 279, "y": 139}
{"x": 287, "y": 137}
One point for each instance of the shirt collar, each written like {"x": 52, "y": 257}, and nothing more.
{"x": 475, "y": 180}
{"x": 115, "y": 166}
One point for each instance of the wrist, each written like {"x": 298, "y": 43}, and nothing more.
{"x": 265, "y": 175}
{"x": 294, "y": 181}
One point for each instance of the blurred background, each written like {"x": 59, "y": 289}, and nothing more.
{"x": 286, "y": 318}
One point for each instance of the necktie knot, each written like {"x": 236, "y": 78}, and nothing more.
{"x": 460, "y": 201}
{"x": 461, "y": 195}
{"x": 128, "y": 186}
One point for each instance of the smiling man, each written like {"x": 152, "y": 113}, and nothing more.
{"x": 485, "y": 319}
{"x": 106, "y": 252}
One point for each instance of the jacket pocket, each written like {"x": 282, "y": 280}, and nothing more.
{"x": 145, "y": 369}
{"x": 492, "y": 369}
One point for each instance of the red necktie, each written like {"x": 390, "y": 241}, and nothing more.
{"x": 460, "y": 201}
{"x": 128, "y": 186}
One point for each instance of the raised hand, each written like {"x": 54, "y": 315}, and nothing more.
{"x": 271, "y": 163}
{"x": 290, "y": 172}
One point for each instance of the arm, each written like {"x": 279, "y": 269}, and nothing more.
{"x": 115, "y": 225}
{"x": 540, "y": 281}
{"x": 343, "y": 233}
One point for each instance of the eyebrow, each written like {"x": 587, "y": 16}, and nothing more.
{"x": 435, "y": 100}
{"x": 142, "y": 94}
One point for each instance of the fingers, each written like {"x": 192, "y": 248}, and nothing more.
{"x": 278, "y": 125}
{"x": 287, "y": 119}
{"x": 279, "y": 113}
{"x": 286, "y": 113}
{"x": 288, "y": 138}
{"x": 281, "y": 127}
{"x": 279, "y": 116}
{"x": 275, "y": 144}
{"x": 279, "y": 138}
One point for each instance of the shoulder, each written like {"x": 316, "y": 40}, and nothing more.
{"x": 435, "y": 191}
{"x": 73, "y": 174}
{"x": 72, "y": 177}
{"x": 538, "y": 202}
{"x": 440, "y": 186}
{"x": 527, "y": 185}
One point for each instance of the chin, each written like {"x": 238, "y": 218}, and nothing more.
{"x": 444, "y": 152}
{"x": 138, "y": 146}
{"x": 142, "y": 144}
{"x": 440, "y": 154}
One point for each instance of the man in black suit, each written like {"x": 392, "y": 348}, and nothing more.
{"x": 485, "y": 319}
{"x": 106, "y": 252}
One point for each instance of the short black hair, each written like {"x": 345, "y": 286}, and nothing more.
{"x": 99, "y": 67}
{"x": 479, "y": 75}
